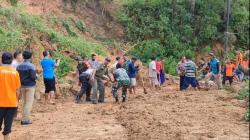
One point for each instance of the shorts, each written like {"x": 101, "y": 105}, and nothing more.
{"x": 133, "y": 82}
{"x": 154, "y": 80}
{"x": 190, "y": 81}
{"x": 50, "y": 85}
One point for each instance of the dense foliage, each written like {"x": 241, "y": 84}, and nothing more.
{"x": 178, "y": 26}
{"x": 17, "y": 28}
{"x": 16, "y": 25}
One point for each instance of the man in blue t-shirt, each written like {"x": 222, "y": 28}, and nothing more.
{"x": 48, "y": 66}
{"x": 215, "y": 71}
{"x": 132, "y": 70}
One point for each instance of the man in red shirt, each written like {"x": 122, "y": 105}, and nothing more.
{"x": 10, "y": 83}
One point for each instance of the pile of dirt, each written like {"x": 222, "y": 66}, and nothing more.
{"x": 98, "y": 15}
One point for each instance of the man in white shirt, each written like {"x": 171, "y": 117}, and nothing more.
{"x": 18, "y": 59}
{"x": 153, "y": 73}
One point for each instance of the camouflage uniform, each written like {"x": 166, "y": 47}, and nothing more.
{"x": 98, "y": 83}
{"x": 126, "y": 65}
{"x": 123, "y": 81}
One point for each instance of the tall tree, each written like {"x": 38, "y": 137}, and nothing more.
{"x": 174, "y": 3}
{"x": 193, "y": 6}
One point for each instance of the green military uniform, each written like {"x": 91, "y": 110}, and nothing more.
{"x": 126, "y": 65}
{"x": 123, "y": 81}
{"x": 98, "y": 83}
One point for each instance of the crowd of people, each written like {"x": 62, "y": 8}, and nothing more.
{"x": 212, "y": 71}
{"x": 18, "y": 76}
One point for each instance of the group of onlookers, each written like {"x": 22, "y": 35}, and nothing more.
{"x": 211, "y": 71}
{"x": 156, "y": 73}
{"x": 18, "y": 77}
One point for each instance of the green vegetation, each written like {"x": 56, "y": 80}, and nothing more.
{"x": 247, "y": 116}
{"x": 65, "y": 65}
{"x": 244, "y": 95}
{"x": 178, "y": 27}
{"x": 244, "y": 92}
{"x": 81, "y": 26}
{"x": 13, "y": 2}
{"x": 68, "y": 26}
{"x": 17, "y": 24}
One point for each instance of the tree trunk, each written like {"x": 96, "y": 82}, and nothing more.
{"x": 174, "y": 2}
{"x": 192, "y": 7}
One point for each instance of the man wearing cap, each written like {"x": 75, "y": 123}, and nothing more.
{"x": 215, "y": 69}
{"x": 10, "y": 83}
{"x": 101, "y": 73}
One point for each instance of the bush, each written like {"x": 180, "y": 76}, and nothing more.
{"x": 146, "y": 49}
{"x": 81, "y": 26}
{"x": 179, "y": 31}
{"x": 247, "y": 116}
{"x": 65, "y": 65}
{"x": 17, "y": 24}
{"x": 170, "y": 65}
{"x": 244, "y": 92}
{"x": 68, "y": 26}
{"x": 13, "y": 2}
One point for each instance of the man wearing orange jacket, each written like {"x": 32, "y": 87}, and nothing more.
{"x": 228, "y": 73}
{"x": 10, "y": 83}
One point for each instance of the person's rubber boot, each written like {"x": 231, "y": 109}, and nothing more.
{"x": 6, "y": 137}
{"x": 123, "y": 99}
{"x": 116, "y": 99}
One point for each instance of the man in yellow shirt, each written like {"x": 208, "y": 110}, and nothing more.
{"x": 10, "y": 83}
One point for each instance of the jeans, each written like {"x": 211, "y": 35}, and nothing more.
{"x": 7, "y": 116}
{"x": 182, "y": 82}
{"x": 28, "y": 95}
{"x": 190, "y": 81}
{"x": 85, "y": 88}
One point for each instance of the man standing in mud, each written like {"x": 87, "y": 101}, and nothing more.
{"x": 10, "y": 83}
{"x": 100, "y": 75}
{"x": 49, "y": 66}
{"x": 215, "y": 71}
{"x": 93, "y": 62}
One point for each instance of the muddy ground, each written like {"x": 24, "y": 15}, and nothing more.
{"x": 166, "y": 114}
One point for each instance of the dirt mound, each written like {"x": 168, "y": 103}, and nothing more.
{"x": 98, "y": 15}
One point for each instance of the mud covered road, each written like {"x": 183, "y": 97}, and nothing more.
{"x": 163, "y": 115}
